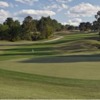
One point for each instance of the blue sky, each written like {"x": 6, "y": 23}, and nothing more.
{"x": 65, "y": 11}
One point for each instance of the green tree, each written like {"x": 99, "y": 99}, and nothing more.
{"x": 14, "y": 29}
{"x": 29, "y": 28}
{"x": 4, "y": 29}
{"x": 57, "y": 26}
{"x": 97, "y": 16}
{"x": 88, "y": 26}
{"x": 82, "y": 26}
{"x": 45, "y": 27}
{"x": 95, "y": 26}
{"x": 71, "y": 28}
{"x": 47, "y": 31}
{"x": 9, "y": 21}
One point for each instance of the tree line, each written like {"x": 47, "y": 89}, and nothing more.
{"x": 30, "y": 29}
{"x": 94, "y": 26}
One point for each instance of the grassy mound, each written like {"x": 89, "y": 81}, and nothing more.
{"x": 80, "y": 46}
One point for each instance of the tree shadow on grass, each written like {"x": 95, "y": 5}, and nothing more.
{"x": 65, "y": 59}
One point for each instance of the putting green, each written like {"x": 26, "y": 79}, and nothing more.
{"x": 67, "y": 67}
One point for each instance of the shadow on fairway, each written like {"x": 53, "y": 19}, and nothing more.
{"x": 65, "y": 59}
{"x": 29, "y": 54}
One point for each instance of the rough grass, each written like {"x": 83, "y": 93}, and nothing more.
{"x": 74, "y": 43}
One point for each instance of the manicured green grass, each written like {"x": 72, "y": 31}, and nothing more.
{"x": 65, "y": 68}
{"x": 77, "y": 67}
{"x": 22, "y": 85}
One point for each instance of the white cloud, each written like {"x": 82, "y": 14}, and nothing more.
{"x": 3, "y": 4}
{"x": 63, "y": 1}
{"x": 29, "y": 2}
{"x": 3, "y": 15}
{"x": 54, "y": 6}
{"x": 74, "y": 21}
{"x": 57, "y": 7}
{"x": 64, "y": 23}
{"x": 83, "y": 10}
{"x": 64, "y": 6}
{"x": 34, "y": 13}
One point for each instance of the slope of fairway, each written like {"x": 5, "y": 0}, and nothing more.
{"x": 20, "y": 85}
